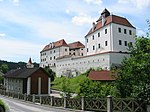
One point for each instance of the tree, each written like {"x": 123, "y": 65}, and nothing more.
{"x": 134, "y": 74}
{"x": 96, "y": 89}
{"x": 4, "y": 68}
{"x": 52, "y": 74}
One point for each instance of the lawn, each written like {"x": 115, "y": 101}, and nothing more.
{"x": 72, "y": 83}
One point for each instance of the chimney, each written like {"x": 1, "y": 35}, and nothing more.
{"x": 103, "y": 20}
{"x": 93, "y": 26}
{"x": 52, "y": 44}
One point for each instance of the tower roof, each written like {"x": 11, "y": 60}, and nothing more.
{"x": 111, "y": 19}
{"x": 105, "y": 13}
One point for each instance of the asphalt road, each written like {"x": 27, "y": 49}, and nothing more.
{"x": 22, "y": 106}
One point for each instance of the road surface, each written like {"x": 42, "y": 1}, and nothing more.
{"x": 22, "y": 106}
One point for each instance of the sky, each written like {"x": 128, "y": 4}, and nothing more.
{"x": 26, "y": 26}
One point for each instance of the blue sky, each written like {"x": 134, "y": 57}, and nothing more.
{"x": 26, "y": 26}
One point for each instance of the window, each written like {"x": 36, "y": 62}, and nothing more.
{"x": 105, "y": 31}
{"x": 93, "y": 37}
{"x": 69, "y": 53}
{"x": 99, "y": 45}
{"x": 54, "y": 51}
{"x": 105, "y": 43}
{"x": 130, "y": 32}
{"x": 54, "y": 57}
{"x": 125, "y": 31}
{"x": 82, "y": 54}
{"x": 65, "y": 49}
{"x": 130, "y": 43}
{"x": 98, "y": 34}
{"x": 74, "y": 53}
{"x": 87, "y": 40}
{"x": 125, "y": 43}
{"x": 119, "y": 30}
{"x": 120, "y": 42}
{"x": 50, "y": 58}
{"x": 93, "y": 47}
{"x": 87, "y": 50}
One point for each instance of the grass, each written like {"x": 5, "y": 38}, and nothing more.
{"x": 73, "y": 83}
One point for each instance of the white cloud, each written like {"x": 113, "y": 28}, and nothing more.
{"x": 140, "y": 4}
{"x": 12, "y": 49}
{"x": 16, "y": 2}
{"x": 2, "y": 34}
{"x": 97, "y": 2}
{"x": 82, "y": 20}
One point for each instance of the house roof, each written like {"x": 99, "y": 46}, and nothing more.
{"x": 55, "y": 44}
{"x": 76, "y": 45}
{"x": 103, "y": 75}
{"x": 21, "y": 73}
{"x": 110, "y": 19}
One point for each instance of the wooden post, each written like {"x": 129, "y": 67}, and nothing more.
{"x": 65, "y": 101}
{"x": 40, "y": 99}
{"x": 33, "y": 98}
{"x": 52, "y": 100}
{"x": 109, "y": 104}
{"x": 82, "y": 103}
{"x": 25, "y": 96}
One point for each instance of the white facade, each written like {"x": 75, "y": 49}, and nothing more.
{"x": 105, "y": 47}
{"x": 13, "y": 85}
{"x": 48, "y": 57}
{"x": 108, "y": 38}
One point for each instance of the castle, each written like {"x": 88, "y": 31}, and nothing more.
{"x": 105, "y": 47}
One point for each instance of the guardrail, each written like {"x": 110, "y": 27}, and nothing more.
{"x": 108, "y": 104}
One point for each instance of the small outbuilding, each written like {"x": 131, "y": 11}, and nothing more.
{"x": 103, "y": 76}
{"x": 28, "y": 80}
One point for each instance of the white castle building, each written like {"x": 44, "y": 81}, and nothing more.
{"x": 105, "y": 46}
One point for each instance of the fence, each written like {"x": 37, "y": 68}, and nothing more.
{"x": 108, "y": 104}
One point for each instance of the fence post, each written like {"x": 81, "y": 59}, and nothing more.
{"x": 40, "y": 99}
{"x": 82, "y": 103}
{"x": 33, "y": 98}
{"x": 18, "y": 95}
{"x": 52, "y": 100}
{"x": 25, "y": 97}
{"x": 65, "y": 101}
{"x": 109, "y": 104}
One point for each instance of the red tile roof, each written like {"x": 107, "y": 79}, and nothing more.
{"x": 103, "y": 75}
{"x": 76, "y": 45}
{"x": 55, "y": 44}
{"x": 111, "y": 19}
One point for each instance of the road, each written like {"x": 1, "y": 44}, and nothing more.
{"x": 22, "y": 106}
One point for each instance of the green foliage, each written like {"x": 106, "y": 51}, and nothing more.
{"x": 51, "y": 73}
{"x": 66, "y": 87}
{"x": 72, "y": 84}
{"x": 96, "y": 89}
{"x": 14, "y": 65}
{"x": 134, "y": 74}
{"x": 4, "y": 68}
